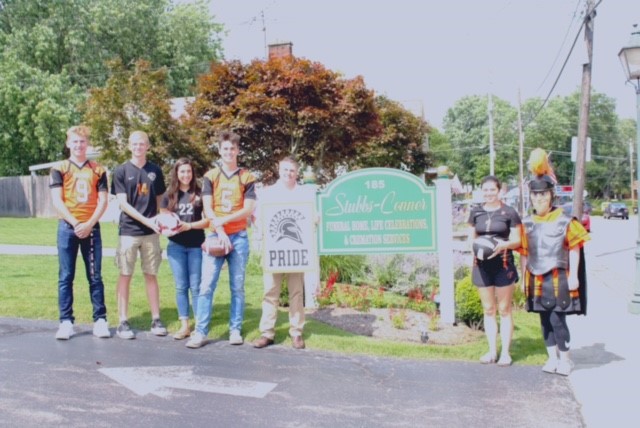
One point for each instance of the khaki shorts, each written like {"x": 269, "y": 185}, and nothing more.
{"x": 150, "y": 254}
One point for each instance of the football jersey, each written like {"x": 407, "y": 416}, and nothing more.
{"x": 189, "y": 210}
{"x": 80, "y": 186}
{"x": 142, "y": 186}
{"x": 228, "y": 193}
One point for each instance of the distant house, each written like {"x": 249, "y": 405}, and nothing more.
{"x": 179, "y": 106}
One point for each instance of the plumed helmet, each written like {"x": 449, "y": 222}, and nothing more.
{"x": 543, "y": 177}
{"x": 542, "y": 183}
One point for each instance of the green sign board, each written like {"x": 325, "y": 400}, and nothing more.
{"x": 377, "y": 210}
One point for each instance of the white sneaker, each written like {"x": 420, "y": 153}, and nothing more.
{"x": 197, "y": 340}
{"x": 124, "y": 331}
{"x": 101, "y": 329}
{"x": 235, "y": 338}
{"x": 564, "y": 367}
{"x": 158, "y": 328}
{"x": 65, "y": 331}
{"x": 550, "y": 366}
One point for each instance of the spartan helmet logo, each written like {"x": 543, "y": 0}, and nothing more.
{"x": 284, "y": 225}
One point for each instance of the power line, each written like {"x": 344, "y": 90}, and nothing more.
{"x": 573, "y": 19}
{"x": 584, "y": 21}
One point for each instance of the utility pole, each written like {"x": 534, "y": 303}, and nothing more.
{"x": 492, "y": 153}
{"x": 583, "y": 126}
{"x": 633, "y": 204}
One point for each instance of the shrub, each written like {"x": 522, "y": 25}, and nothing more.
{"x": 519, "y": 298}
{"x": 283, "y": 301}
{"x": 468, "y": 305}
{"x": 254, "y": 264}
{"x": 350, "y": 268}
{"x": 398, "y": 318}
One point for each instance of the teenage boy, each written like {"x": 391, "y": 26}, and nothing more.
{"x": 228, "y": 197}
{"x": 138, "y": 186}
{"x": 79, "y": 193}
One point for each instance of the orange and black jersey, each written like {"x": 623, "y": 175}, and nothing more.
{"x": 229, "y": 193}
{"x": 80, "y": 186}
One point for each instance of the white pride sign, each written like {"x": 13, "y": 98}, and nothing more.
{"x": 289, "y": 239}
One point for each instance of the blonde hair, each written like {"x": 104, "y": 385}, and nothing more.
{"x": 137, "y": 134}
{"x": 80, "y": 130}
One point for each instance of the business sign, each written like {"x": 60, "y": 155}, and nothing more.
{"x": 564, "y": 190}
{"x": 377, "y": 210}
{"x": 289, "y": 238}
{"x": 574, "y": 149}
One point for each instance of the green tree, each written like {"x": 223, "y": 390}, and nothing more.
{"x": 401, "y": 144}
{"x": 552, "y": 129}
{"x": 53, "y": 51}
{"x": 286, "y": 106}
{"x": 79, "y": 37}
{"x": 137, "y": 100}
{"x": 36, "y": 108}
{"x": 466, "y": 126}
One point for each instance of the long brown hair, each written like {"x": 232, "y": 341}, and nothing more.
{"x": 174, "y": 184}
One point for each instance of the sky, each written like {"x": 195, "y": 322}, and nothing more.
{"x": 427, "y": 54}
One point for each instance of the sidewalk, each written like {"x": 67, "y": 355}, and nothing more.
{"x": 605, "y": 345}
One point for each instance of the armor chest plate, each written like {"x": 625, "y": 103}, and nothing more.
{"x": 546, "y": 245}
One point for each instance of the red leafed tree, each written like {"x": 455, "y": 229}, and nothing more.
{"x": 286, "y": 106}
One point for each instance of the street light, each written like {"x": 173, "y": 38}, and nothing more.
{"x": 630, "y": 59}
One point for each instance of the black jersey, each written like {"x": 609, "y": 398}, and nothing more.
{"x": 142, "y": 186}
{"x": 497, "y": 223}
{"x": 189, "y": 210}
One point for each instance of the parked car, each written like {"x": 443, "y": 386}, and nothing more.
{"x": 567, "y": 207}
{"x": 616, "y": 209}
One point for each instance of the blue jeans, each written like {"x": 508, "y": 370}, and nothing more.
{"x": 186, "y": 265}
{"x": 211, "y": 267}
{"x": 91, "y": 248}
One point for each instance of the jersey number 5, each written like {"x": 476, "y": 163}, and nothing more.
{"x": 225, "y": 198}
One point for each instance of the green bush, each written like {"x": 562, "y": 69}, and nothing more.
{"x": 468, "y": 305}
{"x": 388, "y": 275}
{"x": 519, "y": 298}
{"x": 350, "y": 268}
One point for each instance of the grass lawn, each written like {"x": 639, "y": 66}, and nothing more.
{"x": 28, "y": 289}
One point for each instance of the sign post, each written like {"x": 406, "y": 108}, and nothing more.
{"x": 445, "y": 246}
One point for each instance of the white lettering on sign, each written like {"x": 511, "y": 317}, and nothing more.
{"x": 362, "y": 204}
{"x": 338, "y": 226}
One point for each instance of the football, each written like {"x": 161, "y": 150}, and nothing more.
{"x": 484, "y": 246}
{"x": 168, "y": 223}
{"x": 214, "y": 247}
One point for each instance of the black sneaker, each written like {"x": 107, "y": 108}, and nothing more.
{"x": 158, "y": 328}
{"x": 124, "y": 331}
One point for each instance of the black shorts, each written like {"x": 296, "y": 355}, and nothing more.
{"x": 499, "y": 271}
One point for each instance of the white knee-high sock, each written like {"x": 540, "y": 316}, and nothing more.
{"x": 553, "y": 353}
{"x": 506, "y": 332}
{"x": 491, "y": 330}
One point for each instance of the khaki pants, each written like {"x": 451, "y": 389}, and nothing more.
{"x": 272, "y": 286}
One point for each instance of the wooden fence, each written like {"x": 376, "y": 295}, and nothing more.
{"x": 29, "y": 196}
